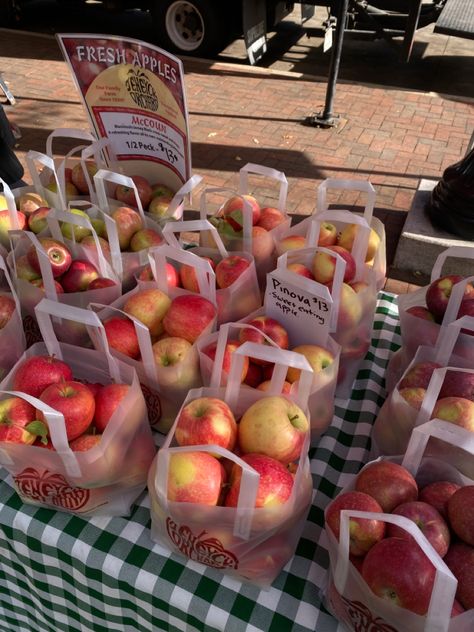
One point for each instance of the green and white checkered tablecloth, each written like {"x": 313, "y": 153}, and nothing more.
{"x": 61, "y": 572}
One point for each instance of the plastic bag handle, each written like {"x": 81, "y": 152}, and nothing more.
{"x": 449, "y": 334}
{"x": 178, "y": 198}
{"x": 200, "y": 225}
{"x": 248, "y": 485}
{"x": 6, "y": 272}
{"x": 455, "y": 299}
{"x": 268, "y": 172}
{"x": 46, "y": 308}
{"x": 43, "y": 260}
{"x": 445, "y": 584}
{"x": 460, "y": 252}
{"x": 11, "y": 205}
{"x": 55, "y": 422}
{"x": 352, "y": 185}
{"x": 116, "y": 178}
{"x": 35, "y": 156}
{"x": 283, "y": 358}
{"x": 246, "y": 214}
{"x": 67, "y": 132}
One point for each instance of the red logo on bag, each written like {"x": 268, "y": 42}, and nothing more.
{"x": 153, "y": 404}
{"x": 32, "y": 331}
{"x": 52, "y": 489}
{"x": 362, "y": 619}
{"x": 208, "y": 551}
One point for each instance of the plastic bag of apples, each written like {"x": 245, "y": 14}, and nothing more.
{"x": 12, "y": 336}
{"x": 10, "y": 217}
{"x": 235, "y": 273}
{"x": 63, "y": 438}
{"x": 215, "y": 356}
{"x": 401, "y": 540}
{"x": 422, "y": 312}
{"x": 417, "y": 390}
{"x": 155, "y": 328}
{"x": 243, "y": 509}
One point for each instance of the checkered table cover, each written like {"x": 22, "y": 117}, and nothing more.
{"x": 61, "y": 572}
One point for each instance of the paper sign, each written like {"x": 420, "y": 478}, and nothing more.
{"x": 133, "y": 93}
{"x": 305, "y": 315}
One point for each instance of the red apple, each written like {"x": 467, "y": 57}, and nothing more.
{"x": 79, "y": 179}
{"x": 205, "y": 421}
{"x": 188, "y": 316}
{"x": 439, "y": 291}
{"x": 327, "y": 234}
{"x": 291, "y": 242}
{"x": 265, "y": 386}
{"x": 324, "y": 265}
{"x": 17, "y": 421}
{"x": 269, "y": 326}
{"x": 461, "y": 513}
{"x": 467, "y": 309}
{"x": 270, "y": 217}
{"x": 420, "y": 311}
{"x": 364, "y": 532}
{"x": 301, "y": 269}
{"x": 188, "y": 277}
{"x": 75, "y": 401}
{"x": 79, "y": 275}
{"x": 126, "y": 194}
{"x": 229, "y": 269}
{"x": 275, "y": 483}
{"x": 262, "y": 244}
{"x": 34, "y": 374}
{"x": 232, "y": 211}
{"x": 101, "y": 282}
{"x": 274, "y": 426}
{"x": 107, "y": 401}
{"x": 399, "y": 571}
{"x": 128, "y": 222}
{"x": 24, "y": 270}
{"x": 428, "y": 520}
{"x": 389, "y": 483}
{"x": 456, "y": 410}
{"x": 149, "y": 306}
{"x": 58, "y": 255}
{"x": 318, "y": 357}
{"x": 230, "y": 347}
{"x": 37, "y": 220}
{"x": 85, "y": 442}
{"x": 195, "y": 477}
{"x": 6, "y": 225}
{"x": 177, "y": 364}
{"x": 458, "y": 384}
{"x": 413, "y": 395}
{"x": 419, "y": 375}
{"x": 40, "y": 283}
{"x": 460, "y": 561}
{"x": 350, "y": 309}
{"x": 7, "y": 308}
{"x": 437, "y": 495}
{"x": 145, "y": 238}
{"x": 172, "y": 275}
{"x": 346, "y": 239}
{"x": 254, "y": 375}
{"x": 122, "y": 337}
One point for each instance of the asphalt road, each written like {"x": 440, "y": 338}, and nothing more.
{"x": 438, "y": 63}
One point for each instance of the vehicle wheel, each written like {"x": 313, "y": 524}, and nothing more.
{"x": 189, "y": 27}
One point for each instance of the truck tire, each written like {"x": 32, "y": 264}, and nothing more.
{"x": 190, "y": 27}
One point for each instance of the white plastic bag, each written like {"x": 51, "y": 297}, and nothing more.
{"x": 12, "y": 336}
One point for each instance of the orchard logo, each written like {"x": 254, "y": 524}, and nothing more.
{"x": 209, "y": 551}
{"x": 141, "y": 90}
{"x": 362, "y": 619}
{"x": 50, "y": 488}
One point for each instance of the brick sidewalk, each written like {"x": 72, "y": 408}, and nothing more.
{"x": 239, "y": 114}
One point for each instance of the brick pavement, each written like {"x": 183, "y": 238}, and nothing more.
{"x": 239, "y": 114}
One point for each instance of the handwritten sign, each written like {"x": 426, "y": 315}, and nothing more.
{"x": 296, "y": 304}
{"x": 133, "y": 93}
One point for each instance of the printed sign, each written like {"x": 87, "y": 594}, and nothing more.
{"x": 305, "y": 315}
{"x": 133, "y": 93}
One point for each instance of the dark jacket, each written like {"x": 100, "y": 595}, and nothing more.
{"x": 11, "y": 169}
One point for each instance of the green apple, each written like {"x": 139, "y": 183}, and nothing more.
{"x": 71, "y": 231}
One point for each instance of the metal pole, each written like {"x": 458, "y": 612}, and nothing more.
{"x": 327, "y": 118}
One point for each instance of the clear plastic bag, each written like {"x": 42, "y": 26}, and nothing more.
{"x": 12, "y": 336}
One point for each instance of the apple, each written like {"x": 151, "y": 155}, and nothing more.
{"x": 34, "y": 374}
{"x": 461, "y": 513}
{"x": 318, "y": 357}
{"x": 324, "y": 265}
{"x": 358, "y": 286}
{"x": 265, "y": 386}
{"x": 457, "y": 608}
{"x": 206, "y": 421}
{"x": 175, "y": 354}
{"x": 233, "y": 207}
{"x": 5, "y": 225}
{"x": 89, "y": 243}
{"x": 398, "y": 570}
{"x": 72, "y": 231}
{"x": 128, "y": 222}
{"x": 126, "y": 194}
{"x": 389, "y": 483}
{"x": 437, "y": 495}
{"x": 429, "y": 521}
{"x": 460, "y": 561}
{"x": 327, "y": 234}
{"x": 85, "y": 442}
{"x": 346, "y": 239}
{"x": 24, "y": 269}
{"x": 7, "y": 308}
{"x": 79, "y": 179}
{"x": 37, "y": 220}
{"x": 230, "y": 346}
{"x": 159, "y": 205}
{"x": 413, "y": 395}
{"x": 79, "y": 275}
{"x": 274, "y": 486}
{"x": 262, "y": 244}
{"x": 439, "y": 292}
{"x": 107, "y": 401}
{"x": 364, "y": 532}
{"x": 270, "y": 217}
{"x": 75, "y": 401}
{"x": 456, "y": 410}
{"x": 458, "y": 384}
{"x": 149, "y": 306}
{"x": 266, "y": 325}
{"x": 229, "y": 269}
{"x": 172, "y": 275}
{"x": 275, "y": 426}
{"x": 291, "y": 242}
{"x": 29, "y": 202}
{"x": 188, "y": 277}
{"x": 189, "y": 316}
{"x": 420, "y": 311}
{"x": 58, "y": 255}
{"x": 161, "y": 190}
{"x": 195, "y": 477}
{"x": 254, "y": 375}
{"x": 350, "y": 309}
{"x": 466, "y": 309}
{"x": 100, "y": 283}
{"x": 17, "y": 421}
{"x": 301, "y": 269}
{"x": 40, "y": 283}
{"x": 145, "y": 238}
{"x": 418, "y": 375}
{"x": 121, "y": 336}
